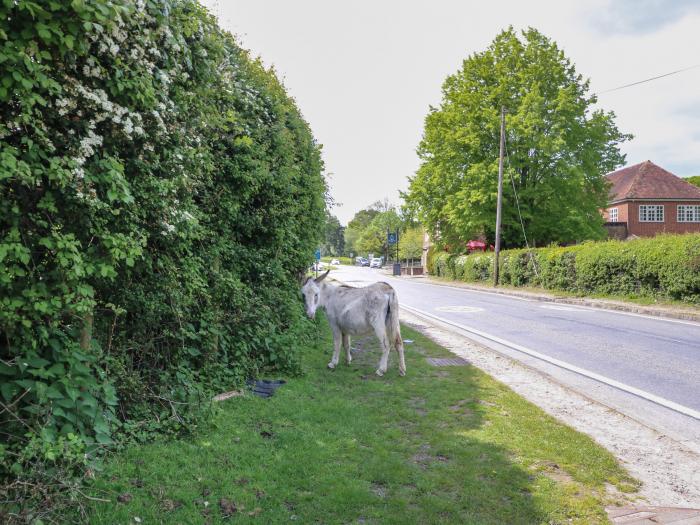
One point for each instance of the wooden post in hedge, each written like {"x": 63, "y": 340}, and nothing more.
{"x": 499, "y": 202}
{"x": 216, "y": 268}
{"x": 86, "y": 331}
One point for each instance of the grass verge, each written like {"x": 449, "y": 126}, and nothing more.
{"x": 441, "y": 445}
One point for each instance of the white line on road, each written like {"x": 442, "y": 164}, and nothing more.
{"x": 562, "y": 364}
{"x": 460, "y": 309}
{"x": 581, "y": 307}
{"x": 563, "y": 308}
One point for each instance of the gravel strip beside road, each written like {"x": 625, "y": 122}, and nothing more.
{"x": 669, "y": 472}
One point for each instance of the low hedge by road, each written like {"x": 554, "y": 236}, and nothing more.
{"x": 663, "y": 267}
{"x": 343, "y": 260}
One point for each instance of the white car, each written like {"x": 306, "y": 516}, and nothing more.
{"x": 375, "y": 263}
{"x": 335, "y": 261}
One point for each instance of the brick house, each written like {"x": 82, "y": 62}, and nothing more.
{"x": 645, "y": 200}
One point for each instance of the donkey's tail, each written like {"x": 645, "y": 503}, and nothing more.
{"x": 393, "y": 328}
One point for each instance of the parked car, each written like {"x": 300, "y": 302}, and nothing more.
{"x": 335, "y": 262}
{"x": 376, "y": 263}
{"x": 318, "y": 265}
{"x": 361, "y": 261}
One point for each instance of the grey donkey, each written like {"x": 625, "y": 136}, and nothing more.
{"x": 357, "y": 311}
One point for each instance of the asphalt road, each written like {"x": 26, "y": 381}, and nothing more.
{"x": 657, "y": 356}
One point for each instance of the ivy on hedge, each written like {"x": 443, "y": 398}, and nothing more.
{"x": 159, "y": 195}
{"x": 665, "y": 267}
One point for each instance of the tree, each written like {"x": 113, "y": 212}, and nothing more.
{"x": 334, "y": 239}
{"x": 373, "y": 239}
{"x": 694, "y": 180}
{"x": 411, "y": 244}
{"x": 356, "y": 226}
{"x": 359, "y": 225}
{"x": 558, "y": 148}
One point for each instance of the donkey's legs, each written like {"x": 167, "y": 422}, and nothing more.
{"x": 346, "y": 345}
{"x": 399, "y": 349}
{"x": 380, "y": 331}
{"x": 337, "y": 336}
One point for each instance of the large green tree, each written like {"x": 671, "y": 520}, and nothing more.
{"x": 373, "y": 238}
{"x": 694, "y": 180}
{"x": 359, "y": 224}
{"x": 411, "y": 244}
{"x": 559, "y": 148}
{"x": 334, "y": 239}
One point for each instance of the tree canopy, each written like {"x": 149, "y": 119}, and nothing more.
{"x": 334, "y": 238}
{"x": 558, "y": 148}
{"x": 411, "y": 244}
{"x": 367, "y": 231}
{"x": 694, "y": 180}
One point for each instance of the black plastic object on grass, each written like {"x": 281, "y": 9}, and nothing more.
{"x": 265, "y": 387}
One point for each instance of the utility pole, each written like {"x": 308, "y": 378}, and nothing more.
{"x": 499, "y": 201}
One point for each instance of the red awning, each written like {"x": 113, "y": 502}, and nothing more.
{"x": 476, "y": 245}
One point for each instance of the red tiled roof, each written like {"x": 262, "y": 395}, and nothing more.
{"x": 646, "y": 180}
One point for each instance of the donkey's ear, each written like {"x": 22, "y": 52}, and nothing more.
{"x": 319, "y": 279}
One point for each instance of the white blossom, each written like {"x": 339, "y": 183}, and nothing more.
{"x": 167, "y": 228}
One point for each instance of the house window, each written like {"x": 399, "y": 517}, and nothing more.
{"x": 651, "y": 213}
{"x": 688, "y": 213}
{"x": 612, "y": 214}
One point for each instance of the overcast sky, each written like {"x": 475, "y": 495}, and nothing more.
{"x": 365, "y": 72}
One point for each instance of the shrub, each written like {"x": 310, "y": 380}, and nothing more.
{"x": 666, "y": 266}
{"x": 160, "y": 194}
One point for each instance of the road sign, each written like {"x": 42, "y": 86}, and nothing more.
{"x": 391, "y": 237}
{"x": 318, "y": 255}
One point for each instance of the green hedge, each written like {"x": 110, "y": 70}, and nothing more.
{"x": 160, "y": 194}
{"x": 667, "y": 267}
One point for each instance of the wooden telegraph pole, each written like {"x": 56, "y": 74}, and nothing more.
{"x": 499, "y": 201}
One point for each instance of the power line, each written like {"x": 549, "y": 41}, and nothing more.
{"x": 520, "y": 215}
{"x": 649, "y": 79}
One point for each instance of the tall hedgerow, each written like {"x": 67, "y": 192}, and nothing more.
{"x": 159, "y": 195}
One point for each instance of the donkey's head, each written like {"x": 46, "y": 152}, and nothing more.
{"x": 311, "y": 291}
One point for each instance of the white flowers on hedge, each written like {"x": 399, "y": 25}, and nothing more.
{"x": 167, "y": 228}
{"x": 81, "y": 100}
{"x": 87, "y": 146}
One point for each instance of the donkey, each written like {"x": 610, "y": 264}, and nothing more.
{"x": 357, "y": 311}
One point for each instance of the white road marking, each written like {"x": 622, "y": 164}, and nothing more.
{"x": 581, "y": 307}
{"x": 471, "y": 290}
{"x": 562, "y": 364}
{"x": 643, "y": 316}
{"x": 459, "y": 309}
{"x": 563, "y": 308}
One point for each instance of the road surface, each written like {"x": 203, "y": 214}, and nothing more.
{"x": 646, "y": 367}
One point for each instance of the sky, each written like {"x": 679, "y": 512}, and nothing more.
{"x": 364, "y": 73}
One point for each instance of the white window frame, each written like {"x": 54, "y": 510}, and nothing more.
{"x": 612, "y": 215}
{"x": 688, "y": 213}
{"x": 651, "y": 213}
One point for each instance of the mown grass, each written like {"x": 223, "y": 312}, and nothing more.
{"x": 441, "y": 445}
